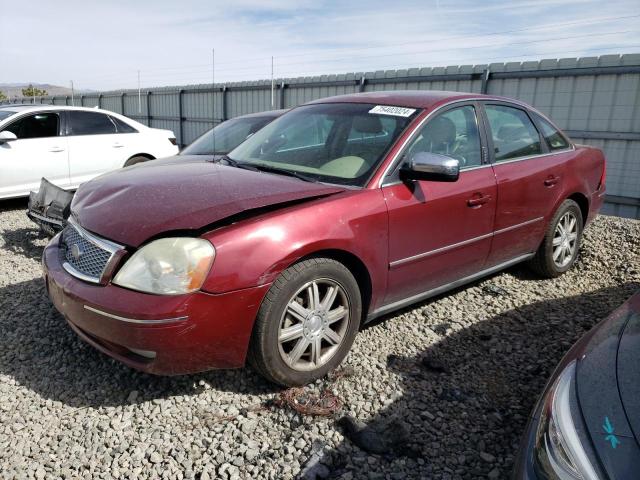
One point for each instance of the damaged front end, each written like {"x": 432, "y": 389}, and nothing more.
{"x": 50, "y": 207}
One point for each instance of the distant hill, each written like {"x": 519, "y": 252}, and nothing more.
{"x": 13, "y": 90}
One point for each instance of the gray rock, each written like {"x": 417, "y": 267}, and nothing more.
{"x": 70, "y": 412}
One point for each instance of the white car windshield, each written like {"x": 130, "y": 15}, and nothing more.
{"x": 339, "y": 143}
{"x": 6, "y": 114}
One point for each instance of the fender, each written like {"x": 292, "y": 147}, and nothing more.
{"x": 254, "y": 252}
{"x": 582, "y": 174}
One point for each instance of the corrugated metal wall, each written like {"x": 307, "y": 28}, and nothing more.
{"x": 595, "y": 99}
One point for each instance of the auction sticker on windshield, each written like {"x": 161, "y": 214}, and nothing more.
{"x": 390, "y": 110}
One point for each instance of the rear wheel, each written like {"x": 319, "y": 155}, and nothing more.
{"x": 561, "y": 243}
{"x": 306, "y": 323}
{"x": 136, "y": 159}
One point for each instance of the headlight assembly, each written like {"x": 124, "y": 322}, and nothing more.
{"x": 169, "y": 266}
{"x": 559, "y": 453}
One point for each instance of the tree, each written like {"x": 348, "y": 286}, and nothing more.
{"x": 32, "y": 91}
{"x": 2, "y": 96}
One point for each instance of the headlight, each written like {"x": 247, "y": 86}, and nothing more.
{"x": 559, "y": 453}
{"x": 169, "y": 266}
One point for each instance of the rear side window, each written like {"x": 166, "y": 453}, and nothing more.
{"x": 513, "y": 133}
{"x": 40, "y": 125}
{"x": 122, "y": 127}
{"x": 552, "y": 135}
{"x": 90, "y": 123}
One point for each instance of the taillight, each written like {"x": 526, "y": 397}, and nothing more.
{"x": 173, "y": 140}
{"x": 603, "y": 177}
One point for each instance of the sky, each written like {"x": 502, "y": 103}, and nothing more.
{"x": 102, "y": 45}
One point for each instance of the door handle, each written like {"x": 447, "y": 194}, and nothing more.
{"x": 118, "y": 145}
{"x": 478, "y": 201}
{"x": 56, "y": 149}
{"x": 551, "y": 181}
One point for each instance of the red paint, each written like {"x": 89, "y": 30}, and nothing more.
{"x": 262, "y": 223}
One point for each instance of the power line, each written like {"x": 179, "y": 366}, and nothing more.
{"x": 255, "y": 68}
{"x": 562, "y": 24}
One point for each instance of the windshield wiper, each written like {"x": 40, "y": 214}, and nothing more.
{"x": 284, "y": 171}
{"x": 227, "y": 160}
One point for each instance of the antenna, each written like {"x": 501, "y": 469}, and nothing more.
{"x": 139, "y": 96}
{"x": 272, "y": 85}
{"x": 213, "y": 96}
{"x": 73, "y": 102}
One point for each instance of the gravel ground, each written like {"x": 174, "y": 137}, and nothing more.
{"x": 453, "y": 378}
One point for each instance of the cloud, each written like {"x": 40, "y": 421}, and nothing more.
{"x": 103, "y": 45}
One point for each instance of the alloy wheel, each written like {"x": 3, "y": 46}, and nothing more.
{"x": 313, "y": 324}
{"x": 565, "y": 239}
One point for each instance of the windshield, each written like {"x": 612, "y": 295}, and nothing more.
{"x": 6, "y": 114}
{"x": 228, "y": 135}
{"x": 335, "y": 142}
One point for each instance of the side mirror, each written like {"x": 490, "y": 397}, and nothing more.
{"x": 7, "y": 136}
{"x": 431, "y": 166}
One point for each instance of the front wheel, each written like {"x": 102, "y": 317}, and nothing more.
{"x": 559, "y": 249}
{"x": 306, "y": 323}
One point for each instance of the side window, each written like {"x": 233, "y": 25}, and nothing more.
{"x": 554, "y": 138}
{"x": 122, "y": 127}
{"x": 90, "y": 123}
{"x": 513, "y": 133}
{"x": 40, "y": 125}
{"x": 453, "y": 133}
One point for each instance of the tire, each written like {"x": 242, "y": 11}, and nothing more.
{"x": 135, "y": 160}
{"x": 547, "y": 262}
{"x": 288, "y": 305}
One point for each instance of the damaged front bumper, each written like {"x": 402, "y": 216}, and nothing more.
{"x": 164, "y": 335}
{"x": 50, "y": 207}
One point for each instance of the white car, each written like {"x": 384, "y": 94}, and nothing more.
{"x": 70, "y": 145}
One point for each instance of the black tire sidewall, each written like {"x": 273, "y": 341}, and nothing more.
{"x": 271, "y": 313}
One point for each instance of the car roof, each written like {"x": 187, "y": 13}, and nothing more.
{"x": 43, "y": 106}
{"x": 410, "y": 98}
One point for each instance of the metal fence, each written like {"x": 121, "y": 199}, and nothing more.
{"x": 596, "y": 100}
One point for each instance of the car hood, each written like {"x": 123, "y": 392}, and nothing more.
{"x": 628, "y": 366}
{"x": 131, "y": 205}
{"x": 608, "y": 389}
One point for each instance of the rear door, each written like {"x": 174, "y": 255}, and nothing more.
{"x": 95, "y": 147}
{"x": 440, "y": 232}
{"x": 40, "y": 151}
{"x": 529, "y": 179}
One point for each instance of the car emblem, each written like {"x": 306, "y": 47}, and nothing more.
{"x": 76, "y": 251}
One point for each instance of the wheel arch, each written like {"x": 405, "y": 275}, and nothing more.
{"x": 148, "y": 156}
{"x": 355, "y": 265}
{"x": 583, "y": 203}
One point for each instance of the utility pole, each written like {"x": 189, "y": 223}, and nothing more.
{"x": 272, "y": 86}
{"x": 139, "y": 96}
{"x": 213, "y": 96}
{"x": 73, "y": 101}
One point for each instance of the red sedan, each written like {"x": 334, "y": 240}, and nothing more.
{"x": 337, "y": 212}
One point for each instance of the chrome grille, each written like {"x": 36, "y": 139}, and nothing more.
{"x": 84, "y": 255}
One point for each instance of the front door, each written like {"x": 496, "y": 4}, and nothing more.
{"x": 440, "y": 232}
{"x": 39, "y": 151}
